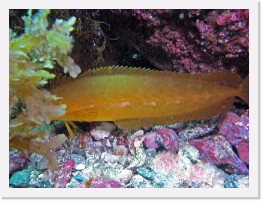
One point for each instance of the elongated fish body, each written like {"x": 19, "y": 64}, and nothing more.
{"x": 134, "y": 97}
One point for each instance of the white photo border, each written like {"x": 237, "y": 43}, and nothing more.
{"x": 254, "y": 184}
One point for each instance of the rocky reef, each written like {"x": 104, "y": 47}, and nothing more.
{"x": 197, "y": 154}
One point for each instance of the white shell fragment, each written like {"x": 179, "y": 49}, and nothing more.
{"x": 80, "y": 166}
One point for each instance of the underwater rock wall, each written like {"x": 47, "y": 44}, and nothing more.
{"x": 183, "y": 40}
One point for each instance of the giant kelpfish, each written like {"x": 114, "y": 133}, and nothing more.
{"x": 134, "y": 97}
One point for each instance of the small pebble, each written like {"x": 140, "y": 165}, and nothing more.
{"x": 151, "y": 153}
{"x": 139, "y": 156}
{"x": 150, "y": 140}
{"x": 243, "y": 151}
{"x": 165, "y": 162}
{"x": 80, "y": 166}
{"x": 88, "y": 173}
{"x": 102, "y": 131}
{"x": 79, "y": 178}
{"x": 73, "y": 183}
{"x": 110, "y": 158}
{"x": 168, "y": 139}
{"x": 78, "y": 158}
{"x": 100, "y": 182}
{"x": 190, "y": 152}
{"x": 236, "y": 181}
{"x": 120, "y": 150}
{"x": 125, "y": 176}
{"x": 20, "y": 178}
{"x": 133, "y": 138}
{"x": 16, "y": 161}
{"x": 122, "y": 160}
{"x": 99, "y": 134}
{"x": 146, "y": 173}
{"x": 138, "y": 181}
{"x": 107, "y": 126}
{"x": 108, "y": 144}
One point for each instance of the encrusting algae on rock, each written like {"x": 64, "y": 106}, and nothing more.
{"x": 137, "y": 97}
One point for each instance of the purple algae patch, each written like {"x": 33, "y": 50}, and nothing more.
{"x": 234, "y": 128}
{"x": 150, "y": 140}
{"x": 100, "y": 182}
{"x": 63, "y": 175}
{"x": 168, "y": 139}
{"x": 17, "y": 161}
{"x": 217, "y": 151}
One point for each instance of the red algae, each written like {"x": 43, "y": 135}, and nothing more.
{"x": 234, "y": 128}
{"x": 63, "y": 175}
{"x": 216, "y": 150}
{"x": 185, "y": 40}
{"x": 100, "y": 182}
{"x": 168, "y": 138}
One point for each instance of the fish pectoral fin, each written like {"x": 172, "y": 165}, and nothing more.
{"x": 89, "y": 114}
{"x": 69, "y": 130}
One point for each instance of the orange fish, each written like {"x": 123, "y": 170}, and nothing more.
{"x": 136, "y": 97}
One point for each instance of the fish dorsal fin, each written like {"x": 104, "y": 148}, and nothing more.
{"x": 220, "y": 78}
{"x": 118, "y": 70}
{"x": 100, "y": 71}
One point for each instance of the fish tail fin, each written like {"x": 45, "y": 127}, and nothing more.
{"x": 244, "y": 89}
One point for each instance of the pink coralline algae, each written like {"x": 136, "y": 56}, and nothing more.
{"x": 165, "y": 162}
{"x": 204, "y": 173}
{"x": 243, "y": 151}
{"x": 216, "y": 150}
{"x": 168, "y": 139}
{"x": 236, "y": 131}
{"x": 150, "y": 140}
{"x": 122, "y": 140}
{"x": 185, "y": 40}
{"x": 197, "y": 131}
{"x": 222, "y": 34}
{"x": 234, "y": 128}
{"x": 84, "y": 139}
{"x": 227, "y": 32}
{"x": 147, "y": 16}
{"x": 17, "y": 161}
{"x": 63, "y": 175}
{"x": 100, "y": 182}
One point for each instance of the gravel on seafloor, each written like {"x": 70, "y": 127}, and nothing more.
{"x": 163, "y": 157}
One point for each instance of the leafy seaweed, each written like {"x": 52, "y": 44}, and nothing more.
{"x": 31, "y": 55}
